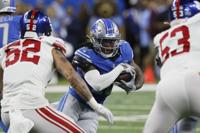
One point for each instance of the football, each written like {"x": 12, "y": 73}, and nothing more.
{"x": 125, "y": 76}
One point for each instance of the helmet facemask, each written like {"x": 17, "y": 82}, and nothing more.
{"x": 107, "y": 47}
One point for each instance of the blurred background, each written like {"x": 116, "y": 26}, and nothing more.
{"x": 138, "y": 20}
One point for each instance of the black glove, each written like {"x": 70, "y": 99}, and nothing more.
{"x": 158, "y": 61}
{"x": 127, "y": 86}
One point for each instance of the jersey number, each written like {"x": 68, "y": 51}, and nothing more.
{"x": 14, "y": 54}
{"x": 183, "y": 42}
{"x": 4, "y": 34}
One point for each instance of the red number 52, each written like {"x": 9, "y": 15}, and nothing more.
{"x": 14, "y": 53}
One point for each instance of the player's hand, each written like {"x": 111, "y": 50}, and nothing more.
{"x": 127, "y": 86}
{"x": 101, "y": 110}
{"x": 106, "y": 113}
{"x": 128, "y": 68}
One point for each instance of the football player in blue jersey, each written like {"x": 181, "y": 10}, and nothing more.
{"x": 9, "y": 24}
{"x": 9, "y": 27}
{"x": 104, "y": 57}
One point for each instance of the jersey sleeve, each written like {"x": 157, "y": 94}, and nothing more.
{"x": 156, "y": 41}
{"x": 126, "y": 51}
{"x": 55, "y": 42}
{"x": 82, "y": 63}
{"x": 2, "y": 56}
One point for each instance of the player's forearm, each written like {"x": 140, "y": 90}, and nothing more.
{"x": 139, "y": 81}
{"x": 66, "y": 69}
{"x": 78, "y": 83}
{"x": 100, "y": 82}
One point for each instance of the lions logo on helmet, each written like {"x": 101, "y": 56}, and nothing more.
{"x": 105, "y": 37}
{"x": 7, "y": 6}
{"x": 34, "y": 24}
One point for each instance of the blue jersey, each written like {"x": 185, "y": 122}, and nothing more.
{"x": 9, "y": 29}
{"x": 103, "y": 65}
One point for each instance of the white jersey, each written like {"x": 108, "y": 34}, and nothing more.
{"x": 179, "y": 46}
{"x": 28, "y": 67}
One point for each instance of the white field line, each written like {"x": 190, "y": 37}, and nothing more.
{"x": 130, "y": 107}
{"x": 129, "y": 118}
{"x": 132, "y": 118}
{"x": 114, "y": 127}
{"x": 63, "y": 88}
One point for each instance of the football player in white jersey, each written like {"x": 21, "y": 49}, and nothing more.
{"x": 177, "y": 93}
{"x": 26, "y": 67}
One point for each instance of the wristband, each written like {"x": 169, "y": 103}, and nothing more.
{"x": 93, "y": 103}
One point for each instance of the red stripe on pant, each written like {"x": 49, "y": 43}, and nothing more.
{"x": 66, "y": 119}
{"x": 56, "y": 119}
{"x": 52, "y": 121}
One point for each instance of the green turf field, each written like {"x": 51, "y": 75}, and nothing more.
{"x": 130, "y": 111}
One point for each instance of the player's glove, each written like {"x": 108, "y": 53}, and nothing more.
{"x": 106, "y": 113}
{"x": 128, "y": 68}
{"x": 158, "y": 61}
{"x": 127, "y": 86}
{"x": 101, "y": 110}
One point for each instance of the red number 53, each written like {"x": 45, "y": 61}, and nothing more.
{"x": 183, "y": 42}
{"x": 14, "y": 53}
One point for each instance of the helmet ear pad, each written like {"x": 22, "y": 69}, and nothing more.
{"x": 37, "y": 22}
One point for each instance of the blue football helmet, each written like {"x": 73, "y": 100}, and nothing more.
{"x": 35, "y": 22}
{"x": 105, "y": 37}
{"x": 7, "y": 6}
{"x": 181, "y": 9}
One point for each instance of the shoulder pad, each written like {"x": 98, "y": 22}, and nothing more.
{"x": 84, "y": 53}
{"x": 156, "y": 39}
{"x": 2, "y": 51}
{"x": 81, "y": 62}
{"x": 123, "y": 41}
{"x": 55, "y": 42}
{"x": 126, "y": 49}
{"x": 194, "y": 19}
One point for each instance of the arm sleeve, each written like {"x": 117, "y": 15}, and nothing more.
{"x": 99, "y": 82}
